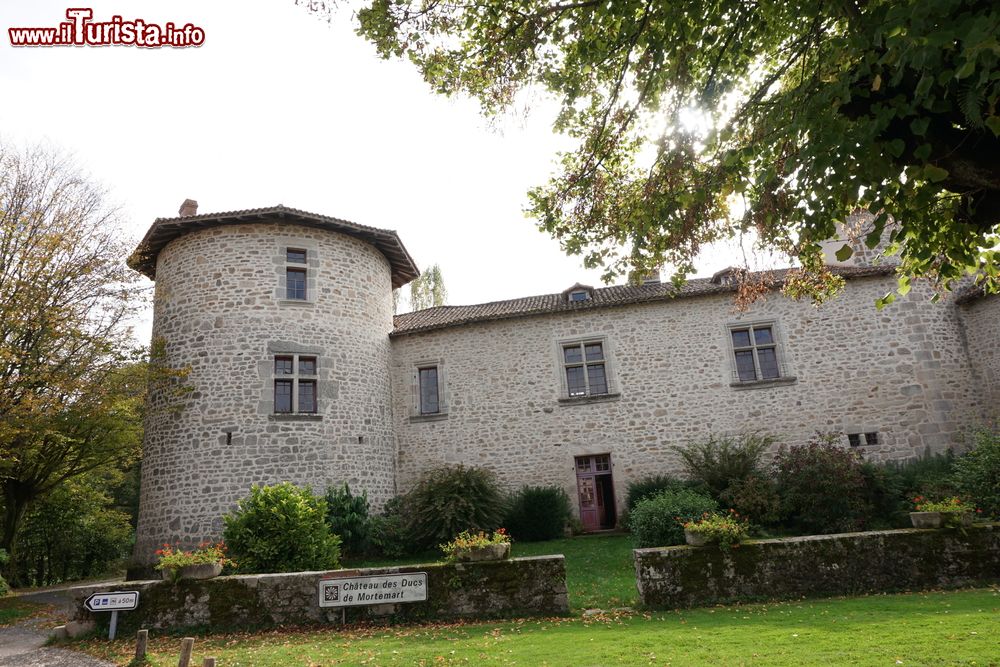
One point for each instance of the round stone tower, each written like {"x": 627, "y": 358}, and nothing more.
{"x": 282, "y": 319}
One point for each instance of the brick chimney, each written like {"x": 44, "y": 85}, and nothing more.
{"x": 189, "y": 207}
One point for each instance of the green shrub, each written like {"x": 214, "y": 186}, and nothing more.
{"x": 73, "y": 532}
{"x": 537, "y": 513}
{"x": 648, "y": 487}
{"x": 977, "y": 473}
{"x": 450, "y": 499}
{"x": 722, "y": 461}
{"x": 754, "y": 497}
{"x": 347, "y": 516}
{"x": 884, "y": 499}
{"x": 281, "y": 528}
{"x": 655, "y": 521}
{"x": 929, "y": 475}
{"x": 387, "y": 531}
{"x": 822, "y": 487}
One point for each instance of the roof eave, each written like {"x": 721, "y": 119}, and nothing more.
{"x": 164, "y": 230}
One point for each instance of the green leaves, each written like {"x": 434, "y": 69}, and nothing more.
{"x": 993, "y": 123}
{"x": 844, "y": 253}
{"x": 894, "y": 111}
{"x": 935, "y": 174}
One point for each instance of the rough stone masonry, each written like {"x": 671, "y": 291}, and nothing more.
{"x": 915, "y": 375}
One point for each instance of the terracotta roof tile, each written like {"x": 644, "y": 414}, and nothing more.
{"x": 165, "y": 230}
{"x": 604, "y": 297}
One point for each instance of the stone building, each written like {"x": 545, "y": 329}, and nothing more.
{"x": 301, "y": 373}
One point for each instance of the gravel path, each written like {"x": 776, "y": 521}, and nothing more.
{"x": 23, "y": 644}
{"x": 52, "y": 657}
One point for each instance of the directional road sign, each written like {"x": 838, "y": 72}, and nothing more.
{"x": 114, "y": 601}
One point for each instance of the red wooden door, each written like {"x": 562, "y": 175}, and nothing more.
{"x": 594, "y": 504}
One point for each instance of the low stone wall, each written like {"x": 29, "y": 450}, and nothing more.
{"x": 515, "y": 587}
{"x": 819, "y": 565}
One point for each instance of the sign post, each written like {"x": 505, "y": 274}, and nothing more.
{"x": 114, "y": 602}
{"x": 378, "y": 589}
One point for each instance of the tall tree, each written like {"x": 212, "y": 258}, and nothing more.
{"x": 428, "y": 290}
{"x": 69, "y": 403}
{"x": 697, "y": 121}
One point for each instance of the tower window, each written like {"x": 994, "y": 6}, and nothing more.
{"x": 295, "y": 384}
{"x": 295, "y": 285}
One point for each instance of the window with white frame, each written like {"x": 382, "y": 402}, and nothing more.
{"x": 295, "y": 384}
{"x": 585, "y": 368}
{"x": 755, "y": 352}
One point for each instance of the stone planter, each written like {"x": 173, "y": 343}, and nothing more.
{"x": 203, "y": 571}
{"x": 925, "y": 519}
{"x": 957, "y": 519}
{"x": 488, "y": 552}
{"x": 695, "y": 539}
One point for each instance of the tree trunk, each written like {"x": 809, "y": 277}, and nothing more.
{"x": 16, "y": 501}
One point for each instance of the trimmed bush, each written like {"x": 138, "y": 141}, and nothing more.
{"x": 538, "y": 513}
{"x": 347, "y": 516}
{"x": 822, "y": 487}
{"x": 722, "y": 461}
{"x": 977, "y": 473}
{"x": 281, "y": 528}
{"x": 450, "y": 499}
{"x": 647, "y": 487}
{"x": 654, "y": 520}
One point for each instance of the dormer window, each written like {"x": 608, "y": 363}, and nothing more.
{"x": 578, "y": 293}
{"x": 726, "y": 276}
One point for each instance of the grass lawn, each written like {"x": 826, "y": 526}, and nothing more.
{"x": 599, "y": 568}
{"x": 941, "y": 628}
{"x": 12, "y": 610}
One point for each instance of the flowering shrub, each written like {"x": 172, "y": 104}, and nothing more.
{"x": 951, "y": 509}
{"x": 727, "y": 530}
{"x": 947, "y": 505}
{"x": 466, "y": 540}
{"x": 172, "y": 558}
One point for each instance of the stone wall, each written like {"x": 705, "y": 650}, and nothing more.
{"x": 901, "y": 372}
{"x": 820, "y": 565}
{"x": 981, "y": 317}
{"x": 220, "y": 307}
{"x": 491, "y": 589}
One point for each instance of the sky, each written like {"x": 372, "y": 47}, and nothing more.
{"x": 280, "y": 107}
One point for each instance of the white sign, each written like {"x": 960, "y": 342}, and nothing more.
{"x": 381, "y": 589}
{"x": 116, "y": 601}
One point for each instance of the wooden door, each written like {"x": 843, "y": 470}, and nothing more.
{"x": 591, "y": 487}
